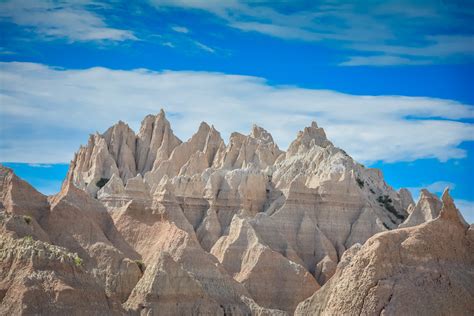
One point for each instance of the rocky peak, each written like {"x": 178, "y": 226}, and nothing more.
{"x": 261, "y": 134}
{"x": 449, "y": 210}
{"x": 427, "y": 208}
{"x": 155, "y": 142}
{"x": 121, "y": 145}
{"x": 310, "y": 136}
{"x": 405, "y": 198}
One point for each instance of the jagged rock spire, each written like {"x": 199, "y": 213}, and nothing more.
{"x": 449, "y": 210}
{"x": 310, "y": 136}
{"x": 155, "y": 142}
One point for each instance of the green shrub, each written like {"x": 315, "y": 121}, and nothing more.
{"x": 386, "y": 202}
{"x": 27, "y": 219}
{"x": 78, "y": 261}
{"x": 102, "y": 182}
{"x": 360, "y": 182}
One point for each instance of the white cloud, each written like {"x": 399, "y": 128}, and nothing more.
{"x": 40, "y": 165}
{"x": 47, "y": 112}
{"x": 68, "y": 19}
{"x": 204, "y": 47}
{"x": 168, "y": 44}
{"x": 180, "y": 29}
{"x": 378, "y": 60}
{"x": 399, "y": 30}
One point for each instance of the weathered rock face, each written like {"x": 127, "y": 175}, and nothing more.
{"x": 427, "y": 208}
{"x": 422, "y": 270}
{"x": 37, "y": 278}
{"x": 246, "y": 256}
{"x": 168, "y": 227}
{"x": 122, "y": 153}
{"x": 77, "y": 223}
{"x": 314, "y": 199}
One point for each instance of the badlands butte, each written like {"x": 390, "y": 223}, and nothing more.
{"x": 146, "y": 224}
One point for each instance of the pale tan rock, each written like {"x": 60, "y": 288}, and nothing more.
{"x": 427, "y": 208}
{"x": 155, "y": 142}
{"x": 272, "y": 279}
{"x": 77, "y": 221}
{"x": 422, "y": 270}
{"x": 257, "y": 149}
{"x": 119, "y": 151}
{"x": 121, "y": 142}
{"x": 37, "y": 278}
{"x": 325, "y": 269}
{"x": 163, "y": 228}
{"x": 74, "y": 220}
{"x": 22, "y": 206}
{"x": 242, "y": 228}
{"x": 405, "y": 198}
{"x": 189, "y": 158}
{"x": 210, "y": 230}
{"x": 167, "y": 289}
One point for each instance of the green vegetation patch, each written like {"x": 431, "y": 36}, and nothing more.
{"x": 27, "y": 219}
{"x": 78, "y": 261}
{"x": 360, "y": 182}
{"x": 386, "y": 202}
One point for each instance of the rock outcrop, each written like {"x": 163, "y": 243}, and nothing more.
{"x": 422, "y": 270}
{"x": 314, "y": 199}
{"x": 157, "y": 225}
{"x": 427, "y": 208}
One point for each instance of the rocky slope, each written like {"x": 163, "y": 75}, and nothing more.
{"x": 196, "y": 227}
{"x": 422, "y": 270}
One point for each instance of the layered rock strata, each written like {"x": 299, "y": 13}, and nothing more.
{"x": 198, "y": 227}
{"x": 422, "y": 270}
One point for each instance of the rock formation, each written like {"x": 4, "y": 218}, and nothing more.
{"x": 422, "y": 270}
{"x": 427, "y": 208}
{"x": 153, "y": 223}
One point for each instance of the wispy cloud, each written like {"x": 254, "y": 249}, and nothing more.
{"x": 40, "y": 165}
{"x": 204, "y": 47}
{"x": 180, "y": 29}
{"x": 66, "y": 19}
{"x": 379, "y": 60}
{"x": 369, "y": 127}
{"x": 427, "y": 31}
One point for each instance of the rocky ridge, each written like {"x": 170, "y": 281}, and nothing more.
{"x": 201, "y": 227}
{"x": 421, "y": 270}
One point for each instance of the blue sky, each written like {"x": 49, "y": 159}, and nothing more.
{"x": 390, "y": 81}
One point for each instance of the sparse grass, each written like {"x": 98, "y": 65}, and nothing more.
{"x": 27, "y": 219}
{"x": 102, "y": 182}
{"x": 28, "y": 238}
{"x": 78, "y": 261}
{"x": 140, "y": 265}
